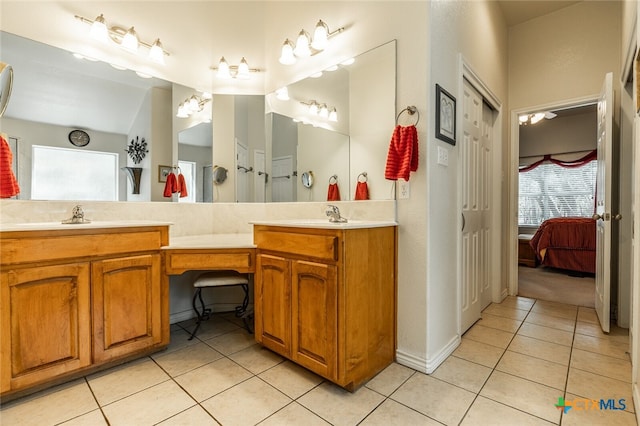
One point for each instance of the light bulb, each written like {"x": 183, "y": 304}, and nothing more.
{"x": 282, "y": 93}
{"x": 302, "y": 45}
{"x": 537, "y": 117}
{"x": 523, "y": 118}
{"x": 130, "y": 40}
{"x": 286, "y": 55}
{"x": 223, "y": 69}
{"x": 313, "y": 108}
{"x": 156, "y": 52}
{"x": 182, "y": 111}
{"x": 243, "y": 70}
{"x": 324, "y": 111}
{"x": 333, "y": 115}
{"x": 320, "y": 36}
{"x": 194, "y": 105}
{"x": 99, "y": 29}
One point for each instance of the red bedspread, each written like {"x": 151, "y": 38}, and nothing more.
{"x": 567, "y": 243}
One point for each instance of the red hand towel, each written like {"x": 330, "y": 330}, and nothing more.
{"x": 171, "y": 185}
{"x": 8, "y": 182}
{"x": 333, "y": 194}
{"x": 402, "y": 157}
{"x": 362, "y": 191}
{"x": 182, "y": 186}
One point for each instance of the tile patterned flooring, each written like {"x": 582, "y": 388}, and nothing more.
{"x": 510, "y": 369}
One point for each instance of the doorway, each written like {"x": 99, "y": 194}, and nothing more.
{"x": 557, "y": 180}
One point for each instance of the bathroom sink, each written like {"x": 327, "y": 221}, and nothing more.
{"x": 325, "y": 223}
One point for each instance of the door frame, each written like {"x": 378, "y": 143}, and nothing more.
{"x": 514, "y": 160}
{"x": 495, "y": 274}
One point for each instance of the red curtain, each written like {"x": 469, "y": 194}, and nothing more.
{"x": 569, "y": 164}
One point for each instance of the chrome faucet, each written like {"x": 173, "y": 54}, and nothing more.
{"x": 334, "y": 214}
{"x": 77, "y": 216}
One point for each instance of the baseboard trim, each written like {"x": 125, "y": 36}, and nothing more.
{"x": 411, "y": 361}
{"x": 443, "y": 354}
{"x": 636, "y": 400}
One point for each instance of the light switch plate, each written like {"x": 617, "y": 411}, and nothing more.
{"x": 443, "y": 156}
{"x": 405, "y": 189}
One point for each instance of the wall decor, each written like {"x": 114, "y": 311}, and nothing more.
{"x": 445, "y": 116}
{"x": 137, "y": 149}
{"x": 163, "y": 172}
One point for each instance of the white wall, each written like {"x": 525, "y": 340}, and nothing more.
{"x": 477, "y": 31}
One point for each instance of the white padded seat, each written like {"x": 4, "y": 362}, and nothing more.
{"x": 220, "y": 279}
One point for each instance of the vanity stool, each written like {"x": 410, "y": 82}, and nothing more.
{"x": 220, "y": 279}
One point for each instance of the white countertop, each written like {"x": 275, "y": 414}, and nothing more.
{"x": 56, "y": 226}
{"x": 325, "y": 224}
{"x": 211, "y": 241}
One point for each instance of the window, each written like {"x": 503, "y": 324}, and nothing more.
{"x": 73, "y": 174}
{"x": 188, "y": 170}
{"x": 550, "y": 190}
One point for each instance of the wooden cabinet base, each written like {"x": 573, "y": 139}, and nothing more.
{"x": 326, "y": 299}
{"x": 68, "y": 311}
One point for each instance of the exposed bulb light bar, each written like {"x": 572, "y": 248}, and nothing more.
{"x": 321, "y": 110}
{"x": 192, "y": 105}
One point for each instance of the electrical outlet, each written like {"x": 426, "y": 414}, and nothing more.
{"x": 443, "y": 156}
{"x": 405, "y": 190}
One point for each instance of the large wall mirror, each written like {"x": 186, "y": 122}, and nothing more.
{"x": 265, "y": 143}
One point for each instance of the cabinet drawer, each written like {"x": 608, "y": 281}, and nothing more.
{"x": 55, "y": 247}
{"x": 323, "y": 247}
{"x": 177, "y": 262}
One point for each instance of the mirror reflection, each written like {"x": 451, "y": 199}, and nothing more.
{"x": 254, "y": 138}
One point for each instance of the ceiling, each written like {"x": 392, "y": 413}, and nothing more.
{"x": 519, "y": 11}
{"x": 73, "y": 105}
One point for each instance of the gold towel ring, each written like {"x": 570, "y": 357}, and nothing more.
{"x": 410, "y": 110}
{"x": 333, "y": 179}
{"x": 363, "y": 175}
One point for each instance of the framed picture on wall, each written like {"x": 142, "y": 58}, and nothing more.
{"x": 163, "y": 172}
{"x": 445, "y": 116}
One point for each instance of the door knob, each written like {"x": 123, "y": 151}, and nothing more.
{"x": 596, "y": 216}
{"x": 617, "y": 217}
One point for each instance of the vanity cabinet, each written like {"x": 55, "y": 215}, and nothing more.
{"x": 326, "y": 298}
{"x": 75, "y": 300}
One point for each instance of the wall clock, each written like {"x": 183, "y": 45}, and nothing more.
{"x": 79, "y": 137}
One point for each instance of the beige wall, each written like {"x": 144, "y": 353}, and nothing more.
{"x": 564, "y": 55}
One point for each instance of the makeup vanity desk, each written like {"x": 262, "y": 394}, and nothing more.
{"x": 210, "y": 252}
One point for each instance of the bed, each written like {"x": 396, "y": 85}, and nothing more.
{"x": 567, "y": 243}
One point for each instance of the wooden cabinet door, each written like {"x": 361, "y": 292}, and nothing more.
{"x": 126, "y": 305}
{"x": 314, "y": 311}
{"x": 45, "y": 323}
{"x": 272, "y": 304}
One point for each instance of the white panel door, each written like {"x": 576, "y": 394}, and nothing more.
{"x": 474, "y": 253}
{"x": 260, "y": 176}
{"x": 282, "y": 179}
{"x": 603, "y": 203}
{"x": 242, "y": 165}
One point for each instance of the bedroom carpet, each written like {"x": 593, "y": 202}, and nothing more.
{"x": 556, "y": 285}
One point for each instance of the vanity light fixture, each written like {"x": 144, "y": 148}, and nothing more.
{"x": 241, "y": 72}
{"x": 127, "y": 39}
{"x": 322, "y": 110}
{"x": 305, "y": 46}
{"x": 192, "y": 105}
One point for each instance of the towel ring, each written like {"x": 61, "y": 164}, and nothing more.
{"x": 410, "y": 110}
{"x": 363, "y": 175}
{"x": 333, "y": 179}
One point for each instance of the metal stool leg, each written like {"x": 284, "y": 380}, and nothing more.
{"x": 197, "y": 294}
